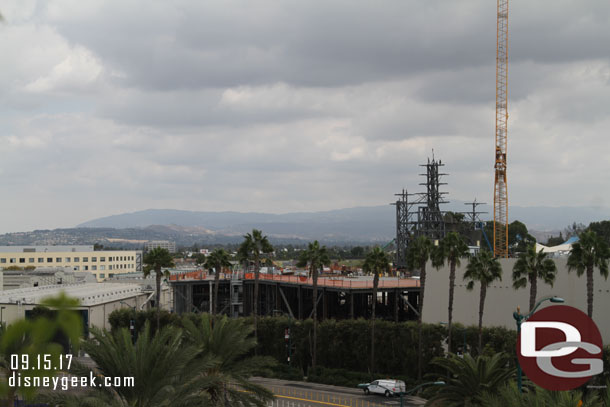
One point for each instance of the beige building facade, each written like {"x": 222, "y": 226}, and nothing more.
{"x": 102, "y": 264}
{"x": 502, "y": 300}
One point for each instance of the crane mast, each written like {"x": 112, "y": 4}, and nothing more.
{"x": 500, "y": 186}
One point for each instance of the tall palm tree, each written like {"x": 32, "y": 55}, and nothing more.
{"x": 217, "y": 260}
{"x": 257, "y": 248}
{"x": 589, "y": 252}
{"x": 156, "y": 260}
{"x": 470, "y": 378}
{"x": 228, "y": 344}
{"x": 316, "y": 257}
{"x": 451, "y": 249}
{"x": 376, "y": 262}
{"x": 530, "y": 267}
{"x": 485, "y": 269}
{"x": 418, "y": 254}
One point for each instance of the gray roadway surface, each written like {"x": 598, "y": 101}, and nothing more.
{"x": 304, "y": 394}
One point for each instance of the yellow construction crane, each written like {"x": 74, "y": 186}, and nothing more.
{"x": 500, "y": 186}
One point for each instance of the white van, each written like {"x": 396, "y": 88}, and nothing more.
{"x": 387, "y": 387}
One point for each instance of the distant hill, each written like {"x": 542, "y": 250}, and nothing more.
{"x": 366, "y": 224}
{"x": 353, "y": 226}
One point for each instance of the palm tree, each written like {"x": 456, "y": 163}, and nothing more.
{"x": 451, "y": 249}
{"x": 532, "y": 266}
{"x": 159, "y": 365}
{"x": 589, "y": 252}
{"x": 155, "y": 260}
{"x": 469, "y": 378}
{"x": 418, "y": 254}
{"x": 485, "y": 269}
{"x": 254, "y": 247}
{"x": 376, "y": 262}
{"x": 509, "y": 395}
{"x": 228, "y": 344}
{"x": 316, "y": 257}
{"x": 218, "y": 259}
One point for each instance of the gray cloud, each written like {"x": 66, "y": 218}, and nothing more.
{"x": 114, "y": 106}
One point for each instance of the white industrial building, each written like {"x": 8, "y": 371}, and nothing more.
{"x": 97, "y": 300}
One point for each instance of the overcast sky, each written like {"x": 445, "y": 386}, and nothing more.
{"x": 116, "y": 106}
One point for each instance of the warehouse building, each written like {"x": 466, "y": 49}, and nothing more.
{"x": 97, "y": 300}
{"x": 102, "y": 264}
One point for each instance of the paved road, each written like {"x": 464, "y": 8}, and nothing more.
{"x": 304, "y": 394}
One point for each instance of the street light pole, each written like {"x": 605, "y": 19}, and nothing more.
{"x": 519, "y": 319}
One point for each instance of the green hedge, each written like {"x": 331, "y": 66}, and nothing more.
{"x": 344, "y": 345}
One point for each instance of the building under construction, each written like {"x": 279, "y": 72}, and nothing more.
{"x": 338, "y": 297}
{"x": 419, "y": 214}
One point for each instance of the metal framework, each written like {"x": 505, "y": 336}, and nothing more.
{"x": 402, "y": 228}
{"x": 474, "y": 215}
{"x": 422, "y": 215}
{"x": 500, "y": 185}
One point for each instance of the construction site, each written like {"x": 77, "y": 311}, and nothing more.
{"x": 417, "y": 214}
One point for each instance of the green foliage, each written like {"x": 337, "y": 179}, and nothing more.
{"x": 518, "y": 237}
{"x": 589, "y": 252}
{"x": 484, "y": 269}
{"x": 224, "y": 353}
{"x": 37, "y": 336}
{"x": 470, "y": 378}
{"x": 530, "y": 267}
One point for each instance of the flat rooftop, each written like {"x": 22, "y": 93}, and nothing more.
{"x": 43, "y": 249}
{"x": 89, "y": 294}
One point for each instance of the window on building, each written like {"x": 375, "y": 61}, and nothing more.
{"x": 110, "y": 267}
{"x": 102, "y": 275}
{"x": 77, "y": 259}
{"x": 31, "y": 260}
{"x": 110, "y": 275}
{"x": 13, "y": 260}
{"x": 94, "y": 259}
{"x": 67, "y": 260}
{"x": 102, "y": 267}
{"x": 3, "y": 260}
{"x": 102, "y": 259}
{"x": 93, "y": 267}
{"x": 41, "y": 260}
{"x": 49, "y": 259}
{"x": 58, "y": 259}
{"x": 22, "y": 260}
{"x": 85, "y": 259}
{"x": 76, "y": 268}
{"x": 85, "y": 268}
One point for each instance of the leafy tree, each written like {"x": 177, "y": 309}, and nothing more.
{"x": 555, "y": 240}
{"x": 602, "y": 229}
{"x": 200, "y": 259}
{"x": 35, "y": 338}
{"x": 316, "y": 257}
{"x": 469, "y": 379}
{"x": 588, "y": 253}
{"x": 575, "y": 229}
{"x": 225, "y": 345}
{"x": 418, "y": 254}
{"x": 357, "y": 252}
{"x": 257, "y": 248}
{"x": 530, "y": 267}
{"x": 376, "y": 262}
{"x": 518, "y": 237}
{"x": 451, "y": 249}
{"x": 217, "y": 260}
{"x": 156, "y": 260}
{"x": 485, "y": 269}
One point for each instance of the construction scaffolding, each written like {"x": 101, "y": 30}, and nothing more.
{"x": 422, "y": 215}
